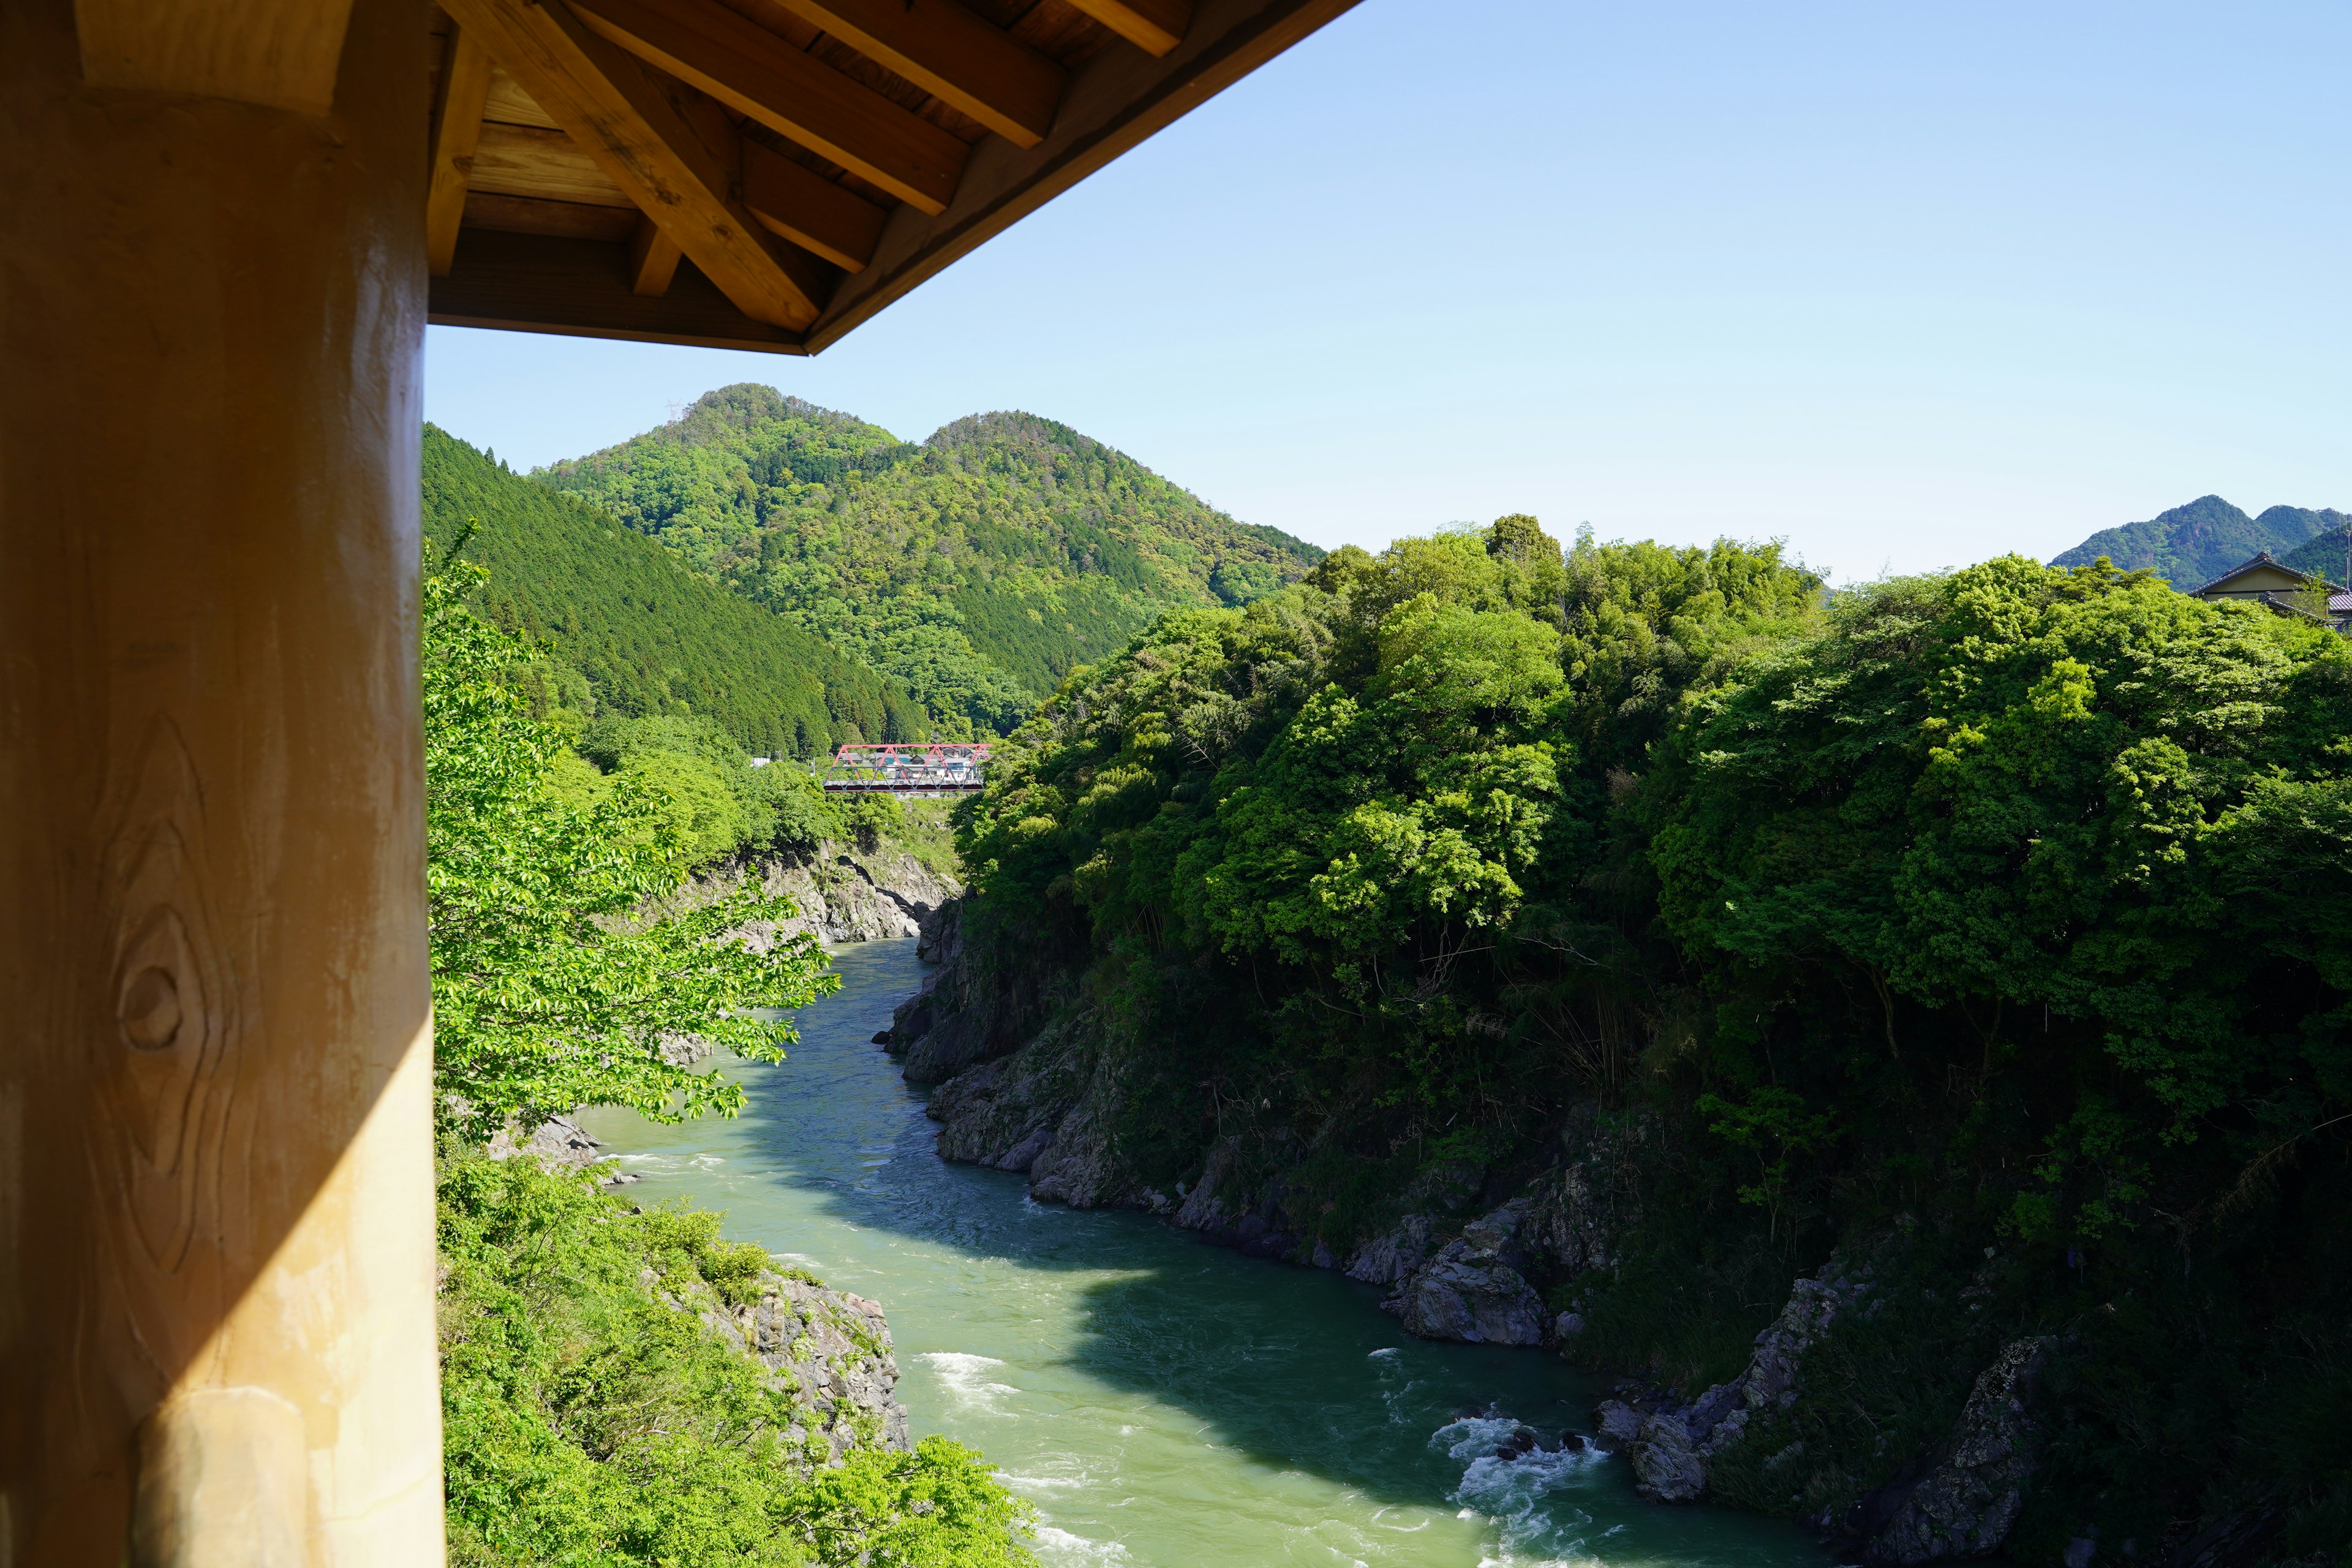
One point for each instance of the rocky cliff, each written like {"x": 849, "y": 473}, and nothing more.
{"x": 842, "y": 893}
{"x": 1033, "y": 1076}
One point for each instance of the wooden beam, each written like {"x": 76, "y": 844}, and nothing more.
{"x": 526, "y": 161}
{"x": 650, "y": 147}
{"x": 280, "y": 53}
{"x": 581, "y": 287}
{"x": 810, "y": 210}
{"x": 1155, "y": 26}
{"x": 758, "y": 74}
{"x": 530, "y": 215}
{"x": 653, "y": 260}
{"x": 457, "y": 103}
{"x": 1113, "y": 103}
{"x": 946, "y": 50}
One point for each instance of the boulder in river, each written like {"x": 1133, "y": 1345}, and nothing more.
{"x": 1472, "y": 1289}
{"x": 1385, "y": 1259}
{"x": 1666, "y": 1466}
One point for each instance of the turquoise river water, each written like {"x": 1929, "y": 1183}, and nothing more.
{"x": 1164, "y": 1404}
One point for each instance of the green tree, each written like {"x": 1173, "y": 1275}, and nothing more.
{"x": 548, "y": 991}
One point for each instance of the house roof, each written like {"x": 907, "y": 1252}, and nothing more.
{"x": 770, "y": 173}
{"x": 2265, "y": 559}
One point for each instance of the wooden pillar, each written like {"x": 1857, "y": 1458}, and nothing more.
{"x": 215, "y": 1183}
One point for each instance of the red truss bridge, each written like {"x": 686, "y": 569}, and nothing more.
{"x": 909, "y": 770}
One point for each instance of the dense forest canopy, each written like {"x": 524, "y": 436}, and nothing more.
{"x": 975, "y": 568}
{"x": 630, "y": 632}
{"x": 1996, "y": 925}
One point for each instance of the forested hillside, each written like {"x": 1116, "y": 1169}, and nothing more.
{"x": 2190, "y": 545}
{"x": 976, "y": 568}
{"x": 2324, "y": 553}
{"x": 634, "y": 634}
{"x": 1964, "y": 962}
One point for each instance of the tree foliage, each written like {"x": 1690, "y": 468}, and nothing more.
{"x": 591, "y": 1422}
{"x": 2015, "y": 898}
{"x": 549, "y": 992}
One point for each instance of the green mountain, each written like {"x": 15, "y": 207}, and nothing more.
{"x": 2191, "y": 545}
{"x": 977, "y": 568}
{"x": 634, "y": 633}
{"x": 2322, "y": 553}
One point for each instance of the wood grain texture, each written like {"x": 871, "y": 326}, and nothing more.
{"x": 215, "y": 1148}
{"x": 945, "y": 49}
{"x": 279, "y": 53}
{"x": 508, "y": 104}
{"x": 538, "y": 283}
{"x": 758, "y": 74}
{"x": 1155, "y": 26}
{"x": 653, "y": 259}
{"x": 803, "y": 207}
{"x": 570, "y": 220}
{"x": 461, "y": 90}
{"x": 1111, "y": 105}
{"x": 656, "y": 155}
{"x": 524, "y": 161}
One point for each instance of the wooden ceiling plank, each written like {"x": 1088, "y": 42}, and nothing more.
{"x": 810, "y": 210}
{"x": 1155, "y": 26}
{"x": 458, "y": 99}
{"x": 944, "y": 50}
{"x": 525, "y": 161}
{"x": 758, "y": 74}
{"x": 653, "y": 259}
{"x": 507, "y": 102}
{"x": 624, "y": 122}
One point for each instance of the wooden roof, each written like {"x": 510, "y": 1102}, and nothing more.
{"x": 768, "y": 174}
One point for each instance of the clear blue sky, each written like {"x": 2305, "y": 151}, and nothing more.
{"x": 1908, "y": 284}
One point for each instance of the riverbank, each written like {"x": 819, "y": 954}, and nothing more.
{"x": 1163, "y": 1404}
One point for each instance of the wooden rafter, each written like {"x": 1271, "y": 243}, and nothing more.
{"x": 1155, "y": 26}
{"x": 566, "y": 267}
{"x": 653, "y": 260}
{"x": 459, "y": 100}
{"x": 945, "y": 49}
{"x": 678, "y": 166}
{"x": 810, "y": 210}
{"x": 1112, "y": 104}
{"x": 758, "y": 74}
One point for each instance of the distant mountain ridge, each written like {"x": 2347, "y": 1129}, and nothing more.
{"x": 2190, "y": 545}
{"x": 975, "y": 568}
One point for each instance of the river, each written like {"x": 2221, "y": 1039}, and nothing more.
{"x": 1164, "y": 1404}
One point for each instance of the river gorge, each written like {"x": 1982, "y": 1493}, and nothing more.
{"x": 1162, "y": 1403}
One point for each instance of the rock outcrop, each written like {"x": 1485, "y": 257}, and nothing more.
{"x": 841, "y": 893}
{"x": 1047, "y": 1111}
{"x": 1968, "y": 1500}
{"x": 1671, "y": 1447}
{"x": 557, "y": 1142}
{"x": 1476, "y": 1288}
{"x": 1486, "y": 1285}
{"x": 830, "y": 1351}
{"x": 984, "y": 1001}
{"x": 1389, "y": 1257}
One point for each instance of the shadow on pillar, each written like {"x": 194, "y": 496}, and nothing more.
{"x": 216, "y": 1158}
